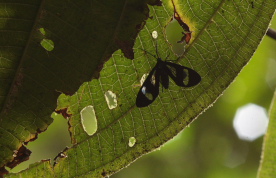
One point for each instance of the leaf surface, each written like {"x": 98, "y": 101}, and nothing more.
{"x": 225, "y": 35}
{"x": 267, "y": 166}
{"x": 52, "y": 47}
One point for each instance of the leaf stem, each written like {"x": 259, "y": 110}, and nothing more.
{"x": 271, "y": 33}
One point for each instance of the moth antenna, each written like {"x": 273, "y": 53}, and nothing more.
{"x": 147, "y": 52}
{"x": 167, "y": 57}
{"x": 156, "y": 48}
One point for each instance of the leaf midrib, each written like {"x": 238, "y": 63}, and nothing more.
{"x": 17, "y": 75}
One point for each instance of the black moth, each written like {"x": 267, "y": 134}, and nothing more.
{"x": 160, "y": 74}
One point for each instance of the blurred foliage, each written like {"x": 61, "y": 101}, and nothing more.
{"x": 267, "y": 166}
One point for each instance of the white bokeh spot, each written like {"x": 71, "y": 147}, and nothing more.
{"x": 250, "y": 122}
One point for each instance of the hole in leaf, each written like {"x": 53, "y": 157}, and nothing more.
{"x": 111, "y": 99}
{"x": 47, "y": 44}
{"x": 89, "y": 120}
{"x": 174, "y": 34}
{"x": 49, "y": 143}
{"x": 154, "y": 34}
{"x": 42, "y": 31}
{"x": 131, "y": 141}
{"x": 187, "y": 34}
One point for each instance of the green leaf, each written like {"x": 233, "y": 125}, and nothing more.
{"x": 225, "y": 34}
{"x": 52, "y": 47}
{"x": 267, "y": 167}
{"x": 40, "y": 169}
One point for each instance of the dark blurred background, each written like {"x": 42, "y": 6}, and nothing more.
{"x": 210, "y": 147}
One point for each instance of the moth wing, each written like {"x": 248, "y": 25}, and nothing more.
{"x": 164, "y": 78}
{"x": 149, "y": 90}
{"x": 178, "y": 73}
